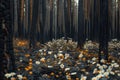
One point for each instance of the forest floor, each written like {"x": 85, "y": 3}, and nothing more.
{"x": 42, "y": 63}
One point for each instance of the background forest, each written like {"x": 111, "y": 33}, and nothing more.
{"x": 60, "y": 39}
{"x": 43, "y": 20}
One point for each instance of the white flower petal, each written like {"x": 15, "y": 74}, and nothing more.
{"x": 73, "y": 73}
{"x": 37, "y": 62}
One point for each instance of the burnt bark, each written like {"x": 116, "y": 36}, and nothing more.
{"x": 104, "y": 30}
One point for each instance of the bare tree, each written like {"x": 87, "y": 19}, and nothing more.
{"x": 34, "y": 23}
{"x": 103, "y": 33}
{"x": 7, "y": 16}
{"x": 81, "y": 35}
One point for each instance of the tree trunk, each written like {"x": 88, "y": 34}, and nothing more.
{"x": 34, "y": 24}
{"x": 2, "y": 8}
{"x": 103, "y": 32}
{"x": 6, "y": 37}
{"x": 20, "y": 18}
{"x": 15, "y": 19}
{"x": 81, "y": 35}
{"x": 26, "y": 27}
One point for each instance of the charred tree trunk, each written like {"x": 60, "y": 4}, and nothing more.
{"x": 2, "y": 8}
{"x": 26, "y": 27}
{"x": 15, "y": 19}
{"x": 81, "y": 36}
{"x": 67, "y": 18}
{"x": 9, "y": 43}
{"x": 47, "y": 22}
{"x": 6, "y": 36}
{"x": 34, "y": 24}
{"x": 41, "y": 21}
{"x": 20, "y": 18}
{"x": 103, "y": 32}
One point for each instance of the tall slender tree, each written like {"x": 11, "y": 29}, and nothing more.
{"x": 81, "y": 35}
{"x": 67, "y": 17}
{"x": 41, "y": 20}
{"x": 119, "y": 19}
{"x": 2, "y": 8}
{"x": 7, "y": 15}
{"x": 15, "y": 18}
{"x": 9, "y": 23}
{"x": 26, "y": 27}
{"x": 47, "y": 22}
{"x": 104, "y": 29}
{"x": 20, "y": 18}
{"x": 34, "y": 23}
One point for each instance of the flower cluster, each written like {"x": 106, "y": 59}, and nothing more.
{"x": 105, "y": 70}
{"x": 53, "y": 62}
{"x": 114, "y": 44}
{"x": 61, "y": 44}
{"x": 90, "y": 45}
{"x": 14, "y": 76}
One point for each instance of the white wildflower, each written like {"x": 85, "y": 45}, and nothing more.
{"x": 99, "y": 76}
{"x": 110, "y": 68}
{"x": 116, "y": 65}
{"x": 50, "y": 66}
{"x": 112, "y": 73}
{"x": 117, "y": 71}
{"x": 104, "y": 66}
{"x": 88, "y": 61}
{"x": 81, "y": 55}
{"x": 119, "y": 53}
{"x": 89, "y": 41}
{"x": 50, "y": 52}
{"x": 67, "y": 69}
{"x": 102, "y": 71}
{"x": 114, "y": 39}
{"x": 106, "y": 74}
{"x": 60, "y": 51}
{"x": 59, "y": 62}
{"x": 42, "y": 59}
{"x": 13, "y": 74}
{"x": 62, "y": 66}
{"x": 42, "y": 53}
{"x": 73, "y": 73}
{"x": 55, "y": 56}
{"x": 118, "y": 74}
{"x": 98, "y": 65}
{"x": 102, "y": 61}
{"x": 21, "y": 60}
{"x": 113, "y": 61}
{"x": 45, "y": 50}
{"x": 70, "y": 41}
{"x": 44, "y": 75}
{"x": 20, "y": 77}
{"x": 60, "y": 55}
{"x": 86, "y": 73}
{"x": 93, "y": 62}
{"x": 37, "y": 62}
{"x": 7, "y": 75}
{"x": 85, "y": 46}
{"x": 83, "y": 78}
{"x": 94, "y": 59}
{"x": 40, "y": 50}
{"x": 95, "y": 71}
{"x": 67, "y": 76}
{"x": 67, "y": 56}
